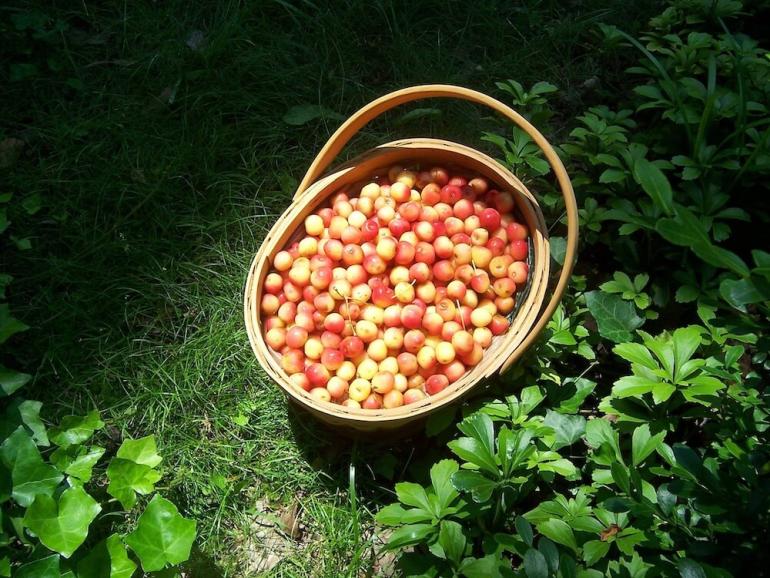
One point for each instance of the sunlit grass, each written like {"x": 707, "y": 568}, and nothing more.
{"x": 161, "y": 177}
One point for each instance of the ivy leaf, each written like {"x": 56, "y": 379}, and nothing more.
{"x": 479, "y": 486}
{"x": 75, "y": 429}
{"x": 643, "y": 444}
{"x": 558, "y": 531}
{"x": 583, "y": 388}
{"x": 599, "y": 432}
{"x": 535, "y": 565}
{"x": 30, "y": 475}
{"x": 47, "y": 567}
{"x": 11, "y": 380}
{"x": 141, "y": 451}
{"x": 128, "y": 478}
{"x": 77, "y": 461}
{"x": 690, "y": 569}
{"x": 109, "y": 559}
{"x": 9, "y": 325}
{"x": 568, "y": 428}
{"x": 26, "y": 413}
{"x": 655, "y": 184}
{"x": 62, "y": 526}
{"x": 162, "y": 536}
{"x": 615, "y": 317}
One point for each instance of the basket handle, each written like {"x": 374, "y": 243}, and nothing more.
{"x": 383, "y": 104}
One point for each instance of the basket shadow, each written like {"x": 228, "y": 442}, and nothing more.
{"x": 376, "y": 459}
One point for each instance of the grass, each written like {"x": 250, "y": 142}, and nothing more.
{"x": 154, "y": 137}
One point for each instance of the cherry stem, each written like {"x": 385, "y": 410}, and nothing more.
{"x": 461, "y": 314}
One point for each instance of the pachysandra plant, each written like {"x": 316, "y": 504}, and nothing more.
{"x": 648, "y": 385}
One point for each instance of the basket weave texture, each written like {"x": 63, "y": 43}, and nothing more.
{"x": 532, "y": 312}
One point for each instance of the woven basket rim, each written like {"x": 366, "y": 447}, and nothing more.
{"x": 507, "y": 344}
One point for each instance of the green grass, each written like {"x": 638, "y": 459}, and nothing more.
{"x": 161, "y": 168}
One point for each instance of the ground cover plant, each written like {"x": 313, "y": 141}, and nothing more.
{"x": 649, "y": 456}
{"x": 147, "y": 148}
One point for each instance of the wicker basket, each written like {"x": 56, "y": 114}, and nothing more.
{"x": 532, "y": 312}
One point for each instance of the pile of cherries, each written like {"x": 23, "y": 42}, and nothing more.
{"x": 393, "y": 294}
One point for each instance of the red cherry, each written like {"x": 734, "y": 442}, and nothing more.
{"x": 519, "y": 250}
{"x": 450, "y": 194}
{"x": 352, "y": 346}
{"x": 369, "y": 229}
{"x": 490, "y": 219}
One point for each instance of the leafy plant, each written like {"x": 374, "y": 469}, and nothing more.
{"x": 50, "y": 512}
{"x": 637, "y": 444}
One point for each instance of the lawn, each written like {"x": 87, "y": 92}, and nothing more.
{"x": 155, "y": 138}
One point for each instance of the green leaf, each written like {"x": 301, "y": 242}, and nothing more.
{"x": 686, "y": 294}
{"x": 162, "y": 536}
{"x": 417, "y": 114}
{"x": 410, "y": 535}
{"x": 9, "y": 325}
{"x": 128, "y": 478}
{"x": 452, "y": 540}
{"x": 474, "y": 452}
{"x": 524, "y": 529}
{"x": 109, "y": 559}
{"x": 47, "y": 567}
{"x": 530, "y": 396}
{"x": 395, "y": 515}
{"x": 535, "y": 565}
{"x": 741, "y": 292}
{"x": 26, "y": 413}
{"x": 11, "y": 380}
{"x": 583, "y": 388}
{"x": 76, "y": 429}
{"x": 594, "y": 550}
{"x": 568, "y": 428}
{"x": 62, "y": 526}
{"x": 686, "y": 341}
{"x": 655, "y": 184}
{"x": 615, "y": 317}
{"x": 643, "y": 444}
{"x": 479, "y": 426}
{"x": 633, "y": 386}
{"x": 141, "y": 451}
{"x": 441, "y": 478}
{"x": 480, "y": 487}
{"x": 687, "y": 231}
{"x": 558, "y": 531}
{"x": 620, "y": 476}
{"x": 77, "y": 461}
{"x": 690, "y": 569}
{"x": 304, "y": 113}
{"x": 30, "y": 475}
{"x": 662, "y": 392}
{"x": 636, "y": 353}
{"x": 599, "y": 432}
{"x": 486, "y": 567}
{"x": 561, "y": 466}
